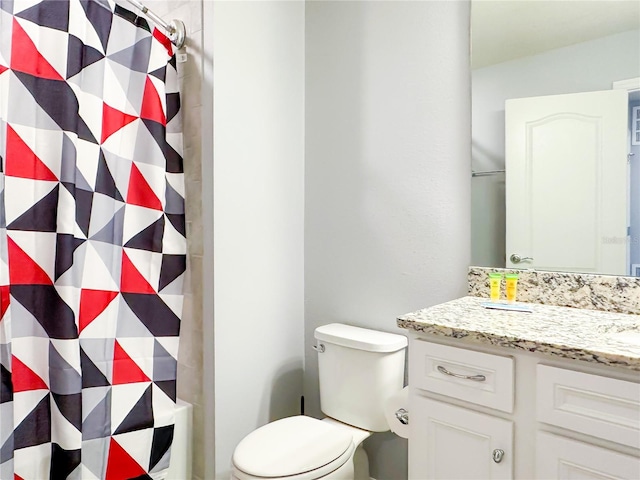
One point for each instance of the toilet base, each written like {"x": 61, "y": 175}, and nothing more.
{"x": 360, "y": 461}
{"x": 355, "y": 469}
{"x": 360, "y": 464}
{"x": 344, "y": 472}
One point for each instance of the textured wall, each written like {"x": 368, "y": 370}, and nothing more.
{"x": 258, "y": 201}
{"x": 387, "y": 171}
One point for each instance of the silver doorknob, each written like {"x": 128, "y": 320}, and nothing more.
{"x": 515, "y": 258}
{"x": 497, "y": 455}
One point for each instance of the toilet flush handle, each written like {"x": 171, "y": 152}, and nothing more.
{"x": 319, "y": 348}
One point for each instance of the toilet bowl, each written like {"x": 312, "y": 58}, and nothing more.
{"x": 299, "y": 448}
{"x": 359, "y": 370}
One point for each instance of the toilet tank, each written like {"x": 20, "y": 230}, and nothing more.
{"x": 359, "y": 369}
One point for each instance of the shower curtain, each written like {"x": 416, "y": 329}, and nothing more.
{"x": 92, "y": 241}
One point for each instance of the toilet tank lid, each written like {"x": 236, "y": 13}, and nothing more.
{"x": 360, "y": 338}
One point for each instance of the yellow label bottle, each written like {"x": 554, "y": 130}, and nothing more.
{"x": 512, "y": 286}
{"x": 495, "y": 279}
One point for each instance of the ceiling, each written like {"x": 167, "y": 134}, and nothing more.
{"x": 503, "y": 30}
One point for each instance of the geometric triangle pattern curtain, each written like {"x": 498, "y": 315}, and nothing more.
{"x": 92, "y": 241}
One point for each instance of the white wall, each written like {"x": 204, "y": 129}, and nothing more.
{"x": 258, "y": 198}
{"x": 387, "y": 171}
{"x": 584, "y": 67}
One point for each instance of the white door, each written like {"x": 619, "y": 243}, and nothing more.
{"x": 449, "y": 442}
{"x": 566, "y": 182}
{"x": 559, "y": 458}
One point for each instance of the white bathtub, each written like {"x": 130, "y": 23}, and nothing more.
{"x": 181, "y": 450}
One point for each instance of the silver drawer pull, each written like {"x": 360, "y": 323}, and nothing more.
{"x": 477, "y": 378}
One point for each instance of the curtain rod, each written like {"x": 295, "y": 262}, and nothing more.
{"x": 176, "y": 29}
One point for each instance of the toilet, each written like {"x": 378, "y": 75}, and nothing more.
{"x": 359, "y": 370}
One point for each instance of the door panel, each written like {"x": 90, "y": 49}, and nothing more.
{"x": 566, "y": 182}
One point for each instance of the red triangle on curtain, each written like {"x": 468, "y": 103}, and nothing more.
{"x": 22, "y": 162}
{"x": 151, "y": 105}
{"x": 3, "y": 69}
{"x": 26, "y": 58}
{"x": 4, "y": 300}
{"x": 140, "y": 193}
{"x": 113, "y": 120}
{"x": 24, "y": 379}
{"x": 125, "y": 370}
{"x": 23, "y": 270}
{"x": 131, "y": 280}
{"x": 120, "y": 464}
{"x": 164, "y": 40}
{"x": 92, "y": 304}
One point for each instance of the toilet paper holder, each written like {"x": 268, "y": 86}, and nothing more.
{"x": 403, "y": 416}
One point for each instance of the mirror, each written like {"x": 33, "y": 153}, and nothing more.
{"x": 523, "y": 49}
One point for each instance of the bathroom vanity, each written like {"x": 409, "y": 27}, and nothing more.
{"x": 551, "y": 394}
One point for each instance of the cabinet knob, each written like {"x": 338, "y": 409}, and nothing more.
{"x": 497, "y": 455}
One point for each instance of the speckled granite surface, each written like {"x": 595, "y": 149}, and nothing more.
{"x": 592, "y": 336}
{"x": 579, "y": 290}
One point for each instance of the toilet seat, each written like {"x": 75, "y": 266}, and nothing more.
{"x": 295, "y": 448}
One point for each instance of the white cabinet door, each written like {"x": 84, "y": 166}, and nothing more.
{"x": 565, "y": 459}
{"x": 448, "y": 442}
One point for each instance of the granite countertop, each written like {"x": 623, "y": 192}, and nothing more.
{"x": 593, "y": 336}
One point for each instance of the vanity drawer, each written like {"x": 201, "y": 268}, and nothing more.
{"x": 603, "y": 407}
{"x": 471, "y": 376}
{"x": 564, "y": 458}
